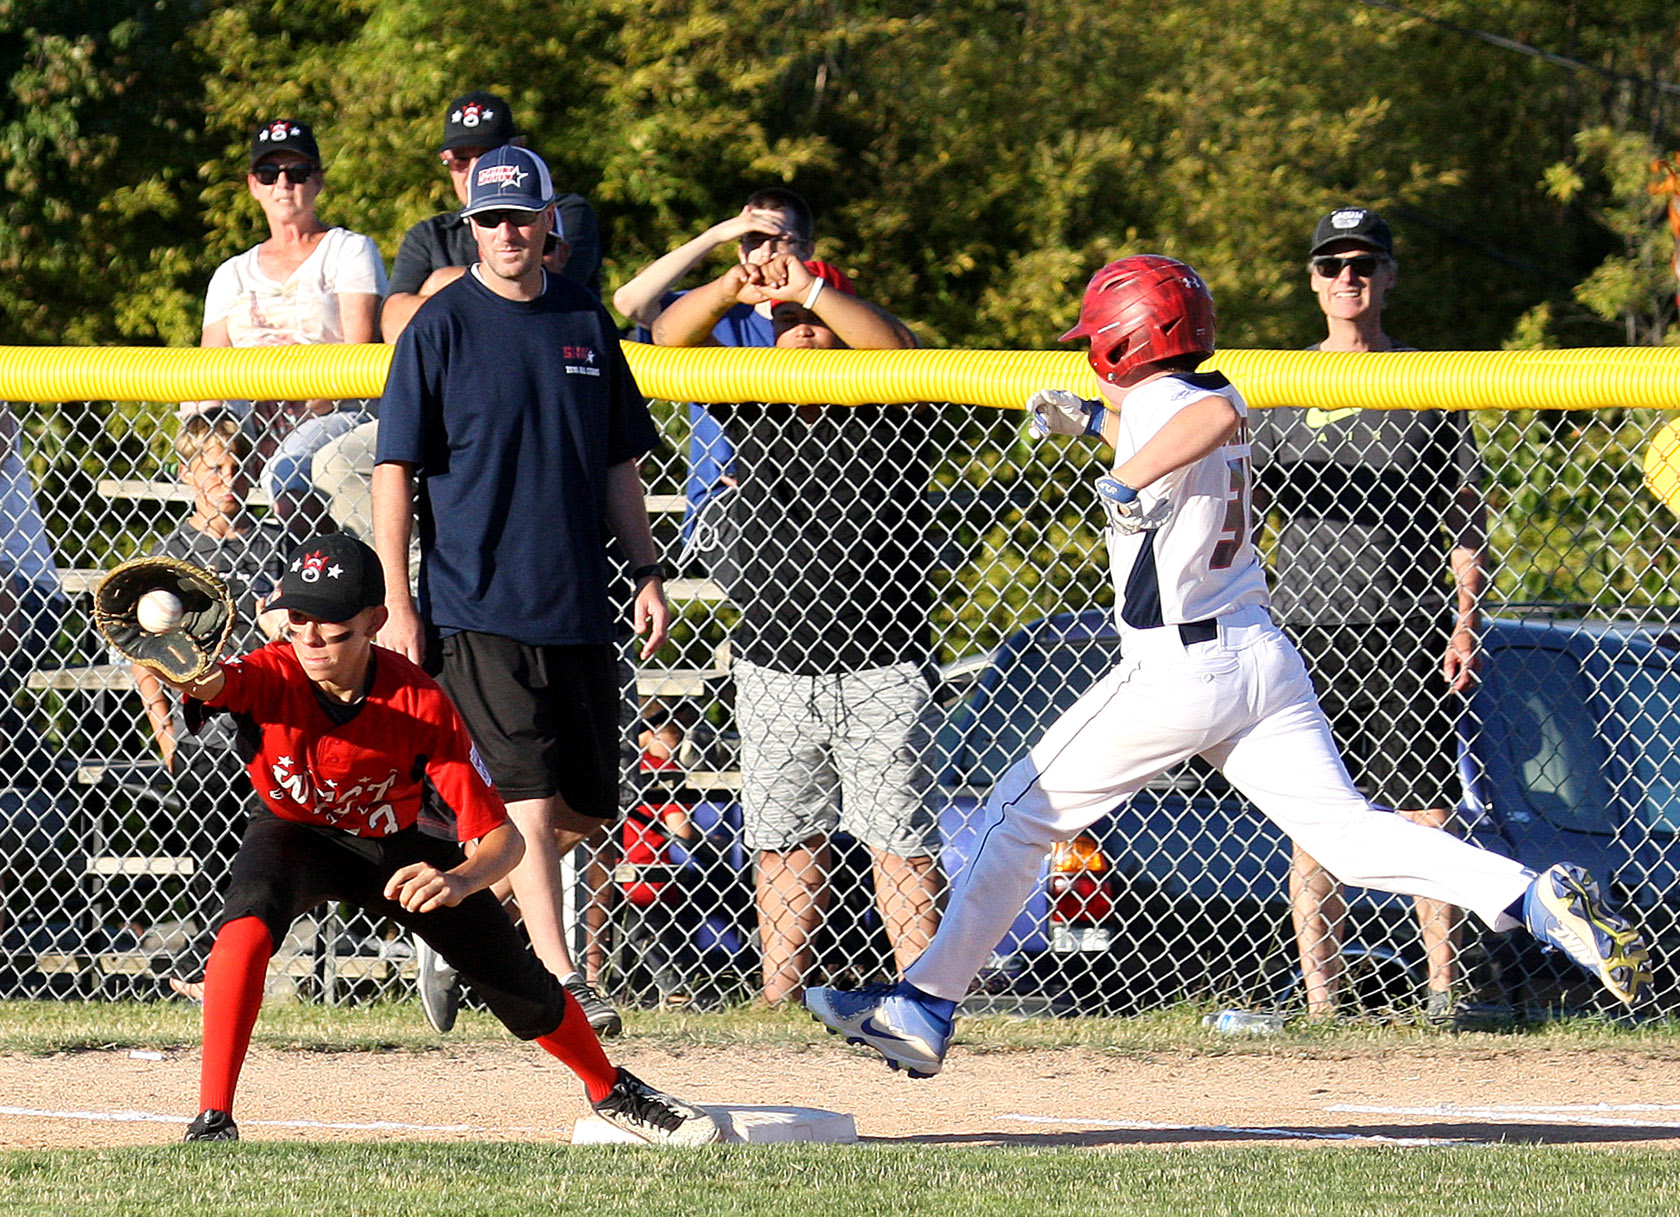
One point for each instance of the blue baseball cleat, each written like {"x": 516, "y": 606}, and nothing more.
{"x": 1564, "y": 909}
{"x": 895, "y": 1020}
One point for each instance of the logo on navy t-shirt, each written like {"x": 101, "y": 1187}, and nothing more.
{"x": 580, "y": 361}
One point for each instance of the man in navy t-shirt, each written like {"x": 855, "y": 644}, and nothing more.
{"x": 511, "y": 404}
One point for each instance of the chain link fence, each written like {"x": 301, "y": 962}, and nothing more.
{"x": 877, "y": 610}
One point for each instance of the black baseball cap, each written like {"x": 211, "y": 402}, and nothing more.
{"x": 331, "y": 577}
{"x": 1352, "y": 224}
{"x": 284, "y": 135}
{"x": 478, "y": 120}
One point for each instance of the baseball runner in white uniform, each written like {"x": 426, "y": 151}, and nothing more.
{"x": 1205, "y": 672}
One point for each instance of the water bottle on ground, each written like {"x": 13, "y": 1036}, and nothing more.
{"x": 1243, "y": 1022}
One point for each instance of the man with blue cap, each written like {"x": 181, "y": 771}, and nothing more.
{"x": 511, "y": 407}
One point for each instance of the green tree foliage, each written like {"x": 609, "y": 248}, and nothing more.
{"x": 972, "y": 162}
{"x": 1629, "y": 296}
{"x": 98, "y": 144}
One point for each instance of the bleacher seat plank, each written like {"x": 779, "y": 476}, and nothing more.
{"x": 678, "y": 682}
{"x": 92, "y": 678}
{"x": 140, "y": 864}
{"x": 158, "y": 490}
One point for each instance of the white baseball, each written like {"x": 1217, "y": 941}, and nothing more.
{"x": 158, "y": 611}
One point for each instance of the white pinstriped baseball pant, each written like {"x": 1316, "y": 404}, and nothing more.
{"x": 1243, "y": 702}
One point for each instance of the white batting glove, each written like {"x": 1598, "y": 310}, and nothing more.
{"x": 1126, "y": 514}
{"x": 1058, "y": 412}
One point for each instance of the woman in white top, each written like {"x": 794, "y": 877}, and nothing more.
{"x": 307, "y": 283}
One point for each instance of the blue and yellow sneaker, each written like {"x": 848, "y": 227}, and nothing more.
{"x": 906, "y": 1026}
{"x": 1564, "y": 909}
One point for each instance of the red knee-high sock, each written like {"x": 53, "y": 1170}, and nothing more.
{"x": 575, "y": 1044}
{"x": 233, "y": 991}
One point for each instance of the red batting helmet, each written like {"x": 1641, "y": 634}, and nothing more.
{"x": 1141, "y": 309}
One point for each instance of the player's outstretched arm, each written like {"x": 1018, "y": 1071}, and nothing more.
{"x": 421, "y": 887}
{"x": 205, "y": 688}
{"x": 1201, "y": 428}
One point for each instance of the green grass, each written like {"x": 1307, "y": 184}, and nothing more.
{"x": 46, "y": 1027}
{"x": 375, "y": 1179}
{"x": 370, "y": 1180}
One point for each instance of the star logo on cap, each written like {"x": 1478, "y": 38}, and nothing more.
{"x": 310, "y": 566}
{"x": 502, "y": 176}
{"x": 334, "y": 571}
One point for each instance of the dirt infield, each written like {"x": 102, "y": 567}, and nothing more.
{"x": 1037, "y": 1098}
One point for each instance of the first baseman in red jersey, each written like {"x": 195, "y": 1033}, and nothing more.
{"x": 347, "y": 736}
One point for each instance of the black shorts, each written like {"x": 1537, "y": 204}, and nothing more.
{"x": 283, "y": 869}
{"x": 545, "y": 718}
{"x": 1391, "y": 710}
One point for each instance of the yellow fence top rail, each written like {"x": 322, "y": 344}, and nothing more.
{"x": 1580, "y": 379}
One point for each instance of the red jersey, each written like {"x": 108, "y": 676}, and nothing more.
{"x": 365, "y": 776}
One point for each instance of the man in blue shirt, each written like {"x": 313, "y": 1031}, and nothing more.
{"x": 510, "y": 401}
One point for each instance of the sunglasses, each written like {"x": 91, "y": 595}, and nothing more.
{"x": 295, "y": 174}
{"x": 777, "y": 241}
{"x": 517, "y": 216}
{"x": 456, "y": 164}
{"x": 1363, "y": 266}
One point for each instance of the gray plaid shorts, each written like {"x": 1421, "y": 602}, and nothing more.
{"x": 839, "y": 751}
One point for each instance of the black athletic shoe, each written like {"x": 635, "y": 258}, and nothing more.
{"x": 655, "y": 1116}
{"x": 597, "y": 1009}
{"x": 212, "y": 1125}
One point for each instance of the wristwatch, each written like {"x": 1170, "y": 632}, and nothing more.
{"x": 653, "y": 570}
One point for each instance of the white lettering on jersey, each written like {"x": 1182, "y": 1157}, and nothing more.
{"x": 361, "y": 804}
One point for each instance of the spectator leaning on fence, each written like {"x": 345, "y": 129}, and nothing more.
{"x": 831, "y": 656}
{"x": 773, "y": 221}
{"x": 249, "y": 554}
{"x": 1366, "y": 502}
{"x": 307, "y": 283}
{"x": 510, "y": 401}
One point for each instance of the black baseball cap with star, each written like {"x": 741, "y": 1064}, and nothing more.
{"x": 478, "y": 120}
{"x": 284, "y": 135}
{"x": 331, "y": 577}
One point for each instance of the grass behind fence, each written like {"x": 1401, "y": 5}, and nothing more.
{"x": 42, "y": 1027}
